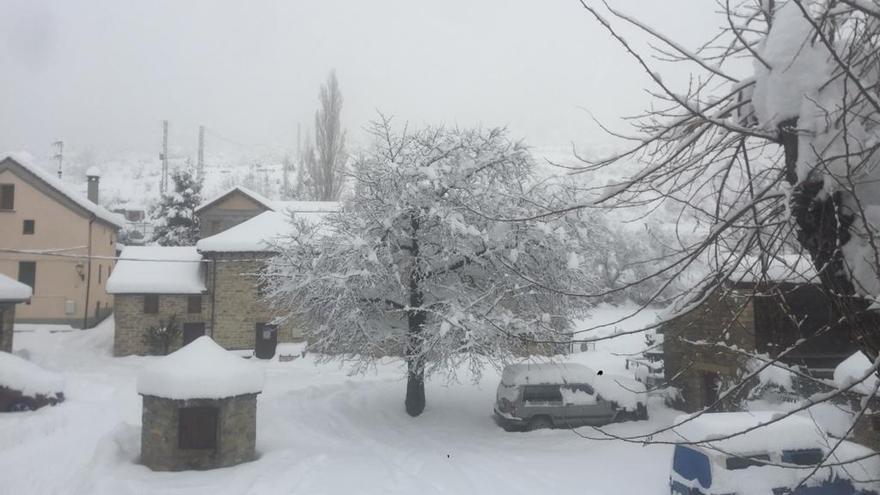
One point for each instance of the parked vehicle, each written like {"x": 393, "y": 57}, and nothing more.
{"x": 565, "y": 395}
{"x": 25, "y": 386}
{"x": 772, "y": 459}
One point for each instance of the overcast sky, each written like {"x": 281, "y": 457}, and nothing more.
{"x": 103, "y": 74}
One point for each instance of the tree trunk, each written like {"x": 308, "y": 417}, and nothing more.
{"x": 415, "y": 387}
{"x": 416, "y": 317}
{"x": 415, "y": 364}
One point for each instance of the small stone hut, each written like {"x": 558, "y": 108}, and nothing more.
{"x": 11, "y": 293}
{"x": 199, "y": 408}
{"x": 856, "y": 375}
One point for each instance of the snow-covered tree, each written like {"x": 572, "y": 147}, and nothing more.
{"x": 766, "y": 162}
{"x": 421, "y": 260}
{"x": 773, "y": 157}
{"x": 174, "y": 219}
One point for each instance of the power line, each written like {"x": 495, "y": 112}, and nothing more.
{"x": 58, "y": 254}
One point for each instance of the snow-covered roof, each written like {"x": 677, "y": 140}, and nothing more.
{"x": 259, "y": 198}
{"x": 783, "y": 268}
{"x": 28, "y": 378}
{"x": 625, "y": 391}
{"x": 546, "y": 373}
{"x": 200, "y": 370}
{"x": 852, "y": 370}
{"x": 24, "y": 161}
{"x": 258, "y": 234}
{"x": 12, "y": 290}
{"x": 158, "y": 270}
{"x": 790, "y": 433}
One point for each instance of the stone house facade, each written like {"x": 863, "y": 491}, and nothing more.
{"x": 153, "y": 286}
{"x": 239, "y": 312}
{"x": 7, "y": 319}
{"x": 134, "y": 318}
{"x": 709, "y": 346}
{"x": 860, "y": 398}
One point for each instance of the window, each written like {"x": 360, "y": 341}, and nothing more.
{"x": 197, "y": 428}
{"x": 542, "y": 394}
{"x": 194, "y": 304}
{"x": 100, "y": 273}
{"x": 27, "y": 273}
{"x": 151, "y": 304}
{"x": 803, "y": 457}
{"x": 98, "y": 309}
{"x": 734, "y": 463}
{"x": 7, "y": 196}
{"x": 27, "y": 227}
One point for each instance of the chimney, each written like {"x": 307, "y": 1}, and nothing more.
{"x": 93, "y": 176}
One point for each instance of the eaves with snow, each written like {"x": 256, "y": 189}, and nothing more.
{"x": 158, "y": 270}
{"x": 257, "y": 197}
{"x": 262, "y": 232}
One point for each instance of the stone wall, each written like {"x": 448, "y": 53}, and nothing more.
{"x": 236, "y": 433}
{"x": 7, "y": 318}
{"x": 724, "y": 317}
{"x": 237, "y": 303}
{"x": 132, "y": 323}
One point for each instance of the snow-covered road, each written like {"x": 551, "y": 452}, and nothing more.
{"x": 320, "y": 431}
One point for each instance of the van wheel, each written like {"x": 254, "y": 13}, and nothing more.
{"x": 540, "y": 423}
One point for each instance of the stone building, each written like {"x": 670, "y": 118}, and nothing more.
{"x": 708, "y": 346}
{"x": 230, "y": 208}
{"x": 154, "y": 286}
{"x": 11, "y": 293}
{"x": 862, "y": 394}
{"x": 241, "y": 319}
{"x": 199, "y": 409}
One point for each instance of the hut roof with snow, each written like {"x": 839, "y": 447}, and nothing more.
{"x": 200, "y": 370}
{"x": 13, "y": 291}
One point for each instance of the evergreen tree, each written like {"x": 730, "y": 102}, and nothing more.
{"x": 174, "y": 218}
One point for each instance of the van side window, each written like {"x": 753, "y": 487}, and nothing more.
{"x": 804, "y": 457}
{"x": 734, "y": 463}
{"x": 542, "y": 394}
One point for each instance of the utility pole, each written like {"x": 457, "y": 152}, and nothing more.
{"x": 163, "y": 182}
{"x": 59, "y": 154}
{"x": 200, "y": 172}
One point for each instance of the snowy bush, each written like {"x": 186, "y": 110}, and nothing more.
{"x": 161, "y": 337}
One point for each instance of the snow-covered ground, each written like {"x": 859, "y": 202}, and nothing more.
{"x": 321, "y": 430}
